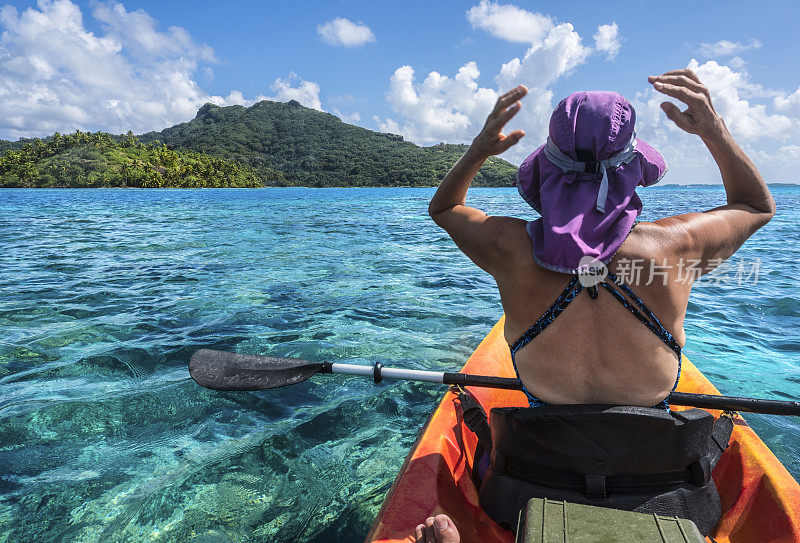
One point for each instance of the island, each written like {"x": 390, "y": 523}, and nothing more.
{"x": 269, "y": 144}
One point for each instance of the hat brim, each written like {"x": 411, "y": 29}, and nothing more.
{"x": 527, "y": 179}
{"x": 654, "y": 167}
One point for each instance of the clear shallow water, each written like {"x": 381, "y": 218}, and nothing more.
{"x": 104, "y": 294}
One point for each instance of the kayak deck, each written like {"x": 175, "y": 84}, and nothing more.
{"x": 760, "y": 499}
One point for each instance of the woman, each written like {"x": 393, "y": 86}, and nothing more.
{"x": 618, "y": 344}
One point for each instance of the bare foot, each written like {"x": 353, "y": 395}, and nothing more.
{"x": 439, "y": 529}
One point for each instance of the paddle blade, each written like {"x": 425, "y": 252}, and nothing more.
{"x": 220, "y": 370}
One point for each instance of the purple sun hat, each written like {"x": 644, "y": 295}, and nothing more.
{"x": 587, "y": 208}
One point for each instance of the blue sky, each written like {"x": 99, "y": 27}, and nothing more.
{"x": 118, "y": 66}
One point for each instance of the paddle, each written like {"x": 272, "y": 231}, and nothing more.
{"x": 220, "y": 370}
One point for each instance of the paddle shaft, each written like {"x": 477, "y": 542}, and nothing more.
{"x": 378, "y": 373}
{"x": 708, "y": 401}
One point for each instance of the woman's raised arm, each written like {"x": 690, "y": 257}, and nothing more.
{"x": 476, "y": 234}
{"x": 717, "y": 233}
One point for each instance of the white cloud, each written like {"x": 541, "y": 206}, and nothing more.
{"x": 788, "y": 103}
{"x": 305, "y": 92}
{"x": 440, "y": 108}
{"x": 607, "y": 40}
{"x": 546, "y": 60}
{"x": 387, "y": 125}
{"x": 786, "y": 155}
{"x": 350, "y": 118}
{"x": 737, "y": 63}
{"x": 291, "y": 88}
{"x": 56, "y": 75}
{"x": 235, "y": 98}
{"x": 509, "y": 22}
{"x": 726, "y": 48}
{"x": 135, "y": 31}
{"x": 346, "y": 33}
{"x": 454, "y": 109}
{"x": 745, "y": 119}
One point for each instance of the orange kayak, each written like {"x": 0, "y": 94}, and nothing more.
{"x": 760, "y": 499}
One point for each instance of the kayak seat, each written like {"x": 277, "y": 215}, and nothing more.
{"x": 632, "y": 458}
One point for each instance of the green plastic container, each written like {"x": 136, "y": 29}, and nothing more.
{"x": 553, "y": 521}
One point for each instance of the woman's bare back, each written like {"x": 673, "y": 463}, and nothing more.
{"x": 596, "y": 351}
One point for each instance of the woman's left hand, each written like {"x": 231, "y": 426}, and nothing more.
{"x": 491, "y": 140}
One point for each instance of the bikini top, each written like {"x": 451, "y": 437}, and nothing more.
{"x": 569, "y": 293}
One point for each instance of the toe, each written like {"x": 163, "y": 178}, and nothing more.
{"x": 445, "y": 529}
{"x": 430, "y": 532}
{"x": 419, "y": 534}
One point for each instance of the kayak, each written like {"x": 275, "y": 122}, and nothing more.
{"x": 760, "y": 499}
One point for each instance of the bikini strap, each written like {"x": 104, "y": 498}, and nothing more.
{"x": 645, "y": 316}
{"x": 569, "y": 293}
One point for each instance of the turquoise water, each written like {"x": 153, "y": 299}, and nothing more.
{"x": 104, "y": 294}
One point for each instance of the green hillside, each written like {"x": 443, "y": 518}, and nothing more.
{"x": 102, "y": 160}
{"x": 317, "y": 149}
{"x": 12, "y": 145}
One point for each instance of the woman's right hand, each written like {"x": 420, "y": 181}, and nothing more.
{"x": 491, "y": 140}
{"x": 699, "y": 118}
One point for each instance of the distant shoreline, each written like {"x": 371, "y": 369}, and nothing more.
{"x": 663, "y": 186}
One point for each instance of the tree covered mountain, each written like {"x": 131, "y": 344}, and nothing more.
{"x": 267, "y": 144}
{"x": 317, "y": 149}
{"x": 101, "y": 160}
